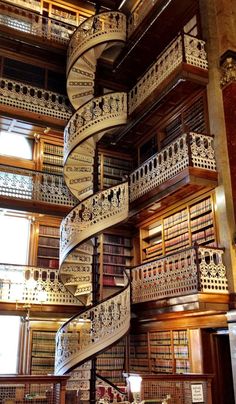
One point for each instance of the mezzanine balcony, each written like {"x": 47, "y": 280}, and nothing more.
{"x": 184, "y": 166}
{"x": 34, "y": 190}
{"x": 33, "y": 102}
{"x": 183, "y": 60}
{"x": 27, "y": 23}
{"x": 22, "y": 285}
{"x": 193, "y": 278}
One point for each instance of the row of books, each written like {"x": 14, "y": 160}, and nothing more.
{"x": 176, "y": 230}
{"x": 160, "y": 349}
{"x": 53, "y": 149}
{"x": 180, "y": 337}
{"x": 163, "y": 366}
{"x": 48, "y": 263}
{"x": 51, "y": 159}
{"x": 52, "y": 169}
{"x": 181, "y": 351}
{"x": 200, "y": 208}
{"x": 116, "y": 162}
{"x": 48, "y": 242}
{"x": 49, "y": 231}
{"x": 117, "y": 240}
{"x": 48, "y": 252}
{"x": 43, "y": 336}
{"x": 115, "y": 249}
{"x": 201, "y": 222}
{"x": 177, "y": 242}
{"x": 162, "y": 337}
{"x": 204, "y": 236}
{"x": 110, "y": 363}
{"x": 175, "y": 219}
{"x": 182, "y": 366}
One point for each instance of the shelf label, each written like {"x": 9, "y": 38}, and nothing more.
{"x": 197, "y": 393}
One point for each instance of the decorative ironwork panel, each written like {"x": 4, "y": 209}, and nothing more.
{"x": 33, "y": 285}
{"x": 34, "y": 185}
{"x": 23, "y": 96}
{"x": 191, "y": 149}
{"x": 35, "y": 24}
{"x": 92, "y": 330}
{"x": 180, "y": 274}
{"x": 93, "y": 215}
{"x": 195, "y": 54}
{"x": 98, "y": 114}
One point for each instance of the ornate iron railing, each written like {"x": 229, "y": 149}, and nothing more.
{"x": 93, "y": 215}
{"x": 100, "y": 113}
{"x": 103, "y": 27}
{"x": 92, "y": 331}
{"x": 192, "y": 270}
{"x": 33, "y": 285}
{"x": 189, "y": 149}
{"x": 184, "y": 48}
{"x": 108, "y": 393}
{"x": 32, "y": 23}
{"x": 34, "y": 99}
{"x": 32, "y": 185}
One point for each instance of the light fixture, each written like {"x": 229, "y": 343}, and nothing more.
{"x": 135, "y": 387}
{"x": 121, "y": 4}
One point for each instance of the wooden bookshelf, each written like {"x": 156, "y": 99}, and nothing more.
{"x": 52, "y": 158}
{"x": 48, "y": 246}
{"x": 42, "y": 352}
{"x": 112, "y": 169}
{"x": 115, "y": 257}
{"x": 111, "y": 363}
{"x": 194, "y": 223}
{"x": 160, "y": 352}
{"x": 138, "y": 357}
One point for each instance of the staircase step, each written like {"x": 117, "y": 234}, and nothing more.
{"x": 79, "y": 280}
{"x": 83, "y": 290}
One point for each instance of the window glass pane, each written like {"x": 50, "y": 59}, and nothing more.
{"x": 14, "y": 239}
{"x": 9, "y": 340}
{"x": 12, "y": 144}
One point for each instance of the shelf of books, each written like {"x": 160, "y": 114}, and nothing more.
{"x": 52, "y": 158}
{"x": 160, "y": 352}
{"x": 181, "y": 351}
{"x": 42, "y": 352}
{"x": 138, "y": 357}
{"x": 116, "y": 257}
{"x": 48, "y": 246}
{"x": 111, "y": 363}
{"x": 194, "y": 223}
{"x": 112, "y": 170}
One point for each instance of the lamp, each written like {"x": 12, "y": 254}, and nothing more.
{"x": 135, "y": 387}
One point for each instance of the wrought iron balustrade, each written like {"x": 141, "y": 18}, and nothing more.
{"x": 184, "y": 48}
{"x": 34, "y": 99}
{"x": 32, "y": 185}
{"x": 192, "y": 270}
{"x": 188, "y": 150}
{"x": 33, "y": 285}
{"x": 30, "y": 22}
{"x": 92, "y": 330}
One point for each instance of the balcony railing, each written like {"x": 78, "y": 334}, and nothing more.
{"x": 190, "y": 271}
{"x": 34, "y": 99}
{"x": 38, "y": 186}
{"x": 138, "y": 15}
{"x": 184, "y": 48}
{"x": 32, "y": 23}
{"x": 189, "y": 149}
{"x": 33, "y": 285}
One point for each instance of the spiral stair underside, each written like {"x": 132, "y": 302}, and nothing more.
{"x": 97, "y": 326}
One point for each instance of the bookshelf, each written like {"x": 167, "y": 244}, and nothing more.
{"x": 111, "y": 363}
{"x": 52, "y": 161}
{"x": 112, "y": 169}
{"x": 48, "y": 246}
{"x": 138, "y": 357}
{"x": 115, "y": 257}
{"x": 164, "y": 352}
{"x": 194, "y": 223}
{"x": 42, "y": 352}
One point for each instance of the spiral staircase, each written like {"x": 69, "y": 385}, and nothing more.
{"x": 98, "y": 325}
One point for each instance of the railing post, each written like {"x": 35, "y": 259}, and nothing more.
{"x": 183, "y": 47}
{"x": 188, "y": 142}
{"x": 196, "y": 249}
